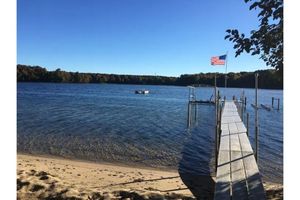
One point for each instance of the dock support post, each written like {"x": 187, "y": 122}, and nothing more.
{"x": 245, "y": 103}
{"x": 215, "y": 89}
{"x": 189, "y": 115}
{"x": 216, "y": 150}
{"x": 219, "y": 111}
{"x": 272, "y": 102}
{"x": 242, "y": 109}
{"x": 195, "y": 109}
{"x": 247, "y": 124}
{"x": 219, "y": 118}
{"x": 217, "y": 102}
{"x": 256, "y": 117}
{"x": 278, "y": 106}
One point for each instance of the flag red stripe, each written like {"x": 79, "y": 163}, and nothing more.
{"x": 216, "y": 61}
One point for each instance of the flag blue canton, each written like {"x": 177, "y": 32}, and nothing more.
{"x": 223, "y": 57}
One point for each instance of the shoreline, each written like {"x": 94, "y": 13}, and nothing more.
{"x": 108, "y": 163}
{"x": 134, "y": 84}
{"x": 41, "y": 176}
{"x": 121, "y": 164}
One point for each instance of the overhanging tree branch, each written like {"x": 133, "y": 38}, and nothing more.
{"x": 267, "y": 41}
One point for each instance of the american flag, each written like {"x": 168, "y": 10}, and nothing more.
{"x": 218, "y": 60}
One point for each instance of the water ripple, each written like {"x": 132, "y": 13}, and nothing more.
{"x": 110, "y": 123}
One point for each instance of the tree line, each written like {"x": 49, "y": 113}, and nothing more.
{"x": 268, "y": 79}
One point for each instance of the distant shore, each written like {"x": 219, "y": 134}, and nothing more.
{"x": 51, "y": 177}
{"x": 269, "y": 79}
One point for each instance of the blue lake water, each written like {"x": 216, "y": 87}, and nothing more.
{"x": 108, "y": 122}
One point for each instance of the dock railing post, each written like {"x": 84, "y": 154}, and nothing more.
{"x": 219, "y": 117}
{"x": 256, "y": 117}
{"x": 247, "y": 124}
{"x": 216, "y": 137}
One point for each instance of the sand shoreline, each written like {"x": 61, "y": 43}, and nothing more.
{"x": 51, "y": 177}
{"x": 108, "y": 163}
{"x": 44, "y": 177}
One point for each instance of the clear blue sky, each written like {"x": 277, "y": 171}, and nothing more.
{"x": 163, "y": 37}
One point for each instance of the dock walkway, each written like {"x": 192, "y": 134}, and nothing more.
{"x": 237, "y": 175}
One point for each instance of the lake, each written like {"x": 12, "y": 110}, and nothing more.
{"x": 109, "y": 123}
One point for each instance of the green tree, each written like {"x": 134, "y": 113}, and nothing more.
{"x": 267, "y": 41}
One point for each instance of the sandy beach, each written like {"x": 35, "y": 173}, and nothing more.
{"x": 46, "y": 177}
{"x": 41, "y": 177}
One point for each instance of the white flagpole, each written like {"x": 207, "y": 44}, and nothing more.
{"x": 226, "y": 70}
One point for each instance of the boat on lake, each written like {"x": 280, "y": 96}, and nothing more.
{"x": 142, "y": 92}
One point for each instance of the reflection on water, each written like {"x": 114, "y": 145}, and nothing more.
{"x": 107, "y": 122}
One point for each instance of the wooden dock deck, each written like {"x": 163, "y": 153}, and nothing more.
{"x": 237, "y": 175}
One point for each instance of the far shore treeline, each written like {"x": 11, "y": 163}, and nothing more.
{"x": 268, "y": 79}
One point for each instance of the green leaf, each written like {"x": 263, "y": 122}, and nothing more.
{"x": 227, "y": 36}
